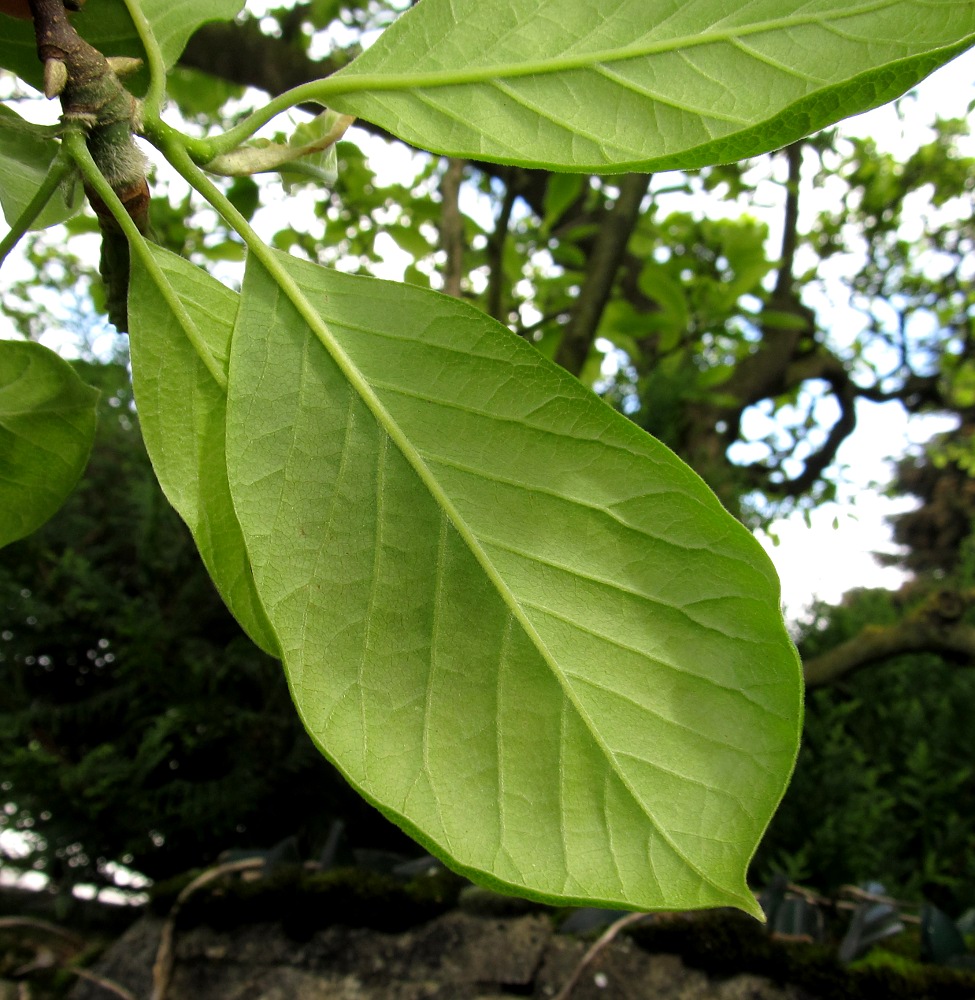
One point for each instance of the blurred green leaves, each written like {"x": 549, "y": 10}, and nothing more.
{"x": 47, "y": 424}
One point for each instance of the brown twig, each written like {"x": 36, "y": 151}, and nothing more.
{"x": 45, "y": 926}
{"x": 857, "y": 896}
{"x": 92, "y": 97}
{"x": 162, "y": 968}
{"x": 607, "y": 254}
{"x": 74, "y": 940}
{"x": 452, "y": 226}
{"x": 105, "y": 984}
{"x": 587, "y": 959}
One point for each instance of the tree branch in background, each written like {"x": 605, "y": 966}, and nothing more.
{"x": 785, "y": 277}
{"x": 608, "y": 249}
{"x": 917, "y": 393}
{"x": 826, "y": 366}
{"x": 243, "y": 54}
{"x": 766, "y": 372}
{"x": 788, "y": 356}
{"x": 452, "y": 225}
{"x": 816, "y": 464}
{"x": 495, "y": 251}
{"x": 934, "y": 627}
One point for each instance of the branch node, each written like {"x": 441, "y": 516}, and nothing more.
{"x": 85, "y": 120}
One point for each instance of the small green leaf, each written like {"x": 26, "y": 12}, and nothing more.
{"x": 658, "y": 283}
{"x": 560, "y": 192}
{"x": 310, "y": 149}
{"x": 640, "y": 84}
{"x": 47, "y": 425}
{"x": 182, "y": 413}
{"x": 26, "y": 152}
{"x": 518, "y": 624}
{"x": 409, "y": 238}
{"x": 776, "y": 319}
{"x": 323, "y": 12}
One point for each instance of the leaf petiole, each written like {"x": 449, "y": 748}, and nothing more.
{"x": 204, "y": 150}
{"x": 74, "y": 141}
{"x": 172, "y": 147}
{"x": 61, "y": 166}
{"x": 156, "y": 94}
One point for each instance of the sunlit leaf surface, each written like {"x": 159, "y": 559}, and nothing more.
{"x": 641, "y": 84}
{"x": 516, "y": 622}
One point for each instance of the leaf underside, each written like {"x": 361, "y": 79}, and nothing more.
{"x": 26, "y": 152}
{"x": 47, "y": 425}
{"x": 641, "y": 84}
{"x": 516, "y": 623}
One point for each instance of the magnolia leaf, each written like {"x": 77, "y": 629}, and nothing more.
{"x": 640, "y": 84}
{"x": 518, "y": 624}
{"x": 26, "y": 152}
{"x": 47, "y": 425}
{"x": 107, "y": 26}
{"x": 182, "y": 413}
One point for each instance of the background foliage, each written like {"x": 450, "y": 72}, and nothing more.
{"x": 883, "y": 788}
{"x": 140, "y": 725}
{"x": 143, "y": 728}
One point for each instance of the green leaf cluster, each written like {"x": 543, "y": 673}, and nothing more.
{"x": 518, "y": 624}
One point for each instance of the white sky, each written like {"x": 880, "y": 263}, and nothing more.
{"x": 820, "y": 560}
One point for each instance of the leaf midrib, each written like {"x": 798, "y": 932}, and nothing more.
{"x": 348, "y": 81}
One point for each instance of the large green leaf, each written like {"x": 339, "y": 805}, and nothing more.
{"x": 47, "y": 425}
{"x": 26, "y": 152}
{"x": 517, "y": 623}
{"x": 182, "y": 412}
{"x": 107, "y": 26}
{"x": 640, "y": 84}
